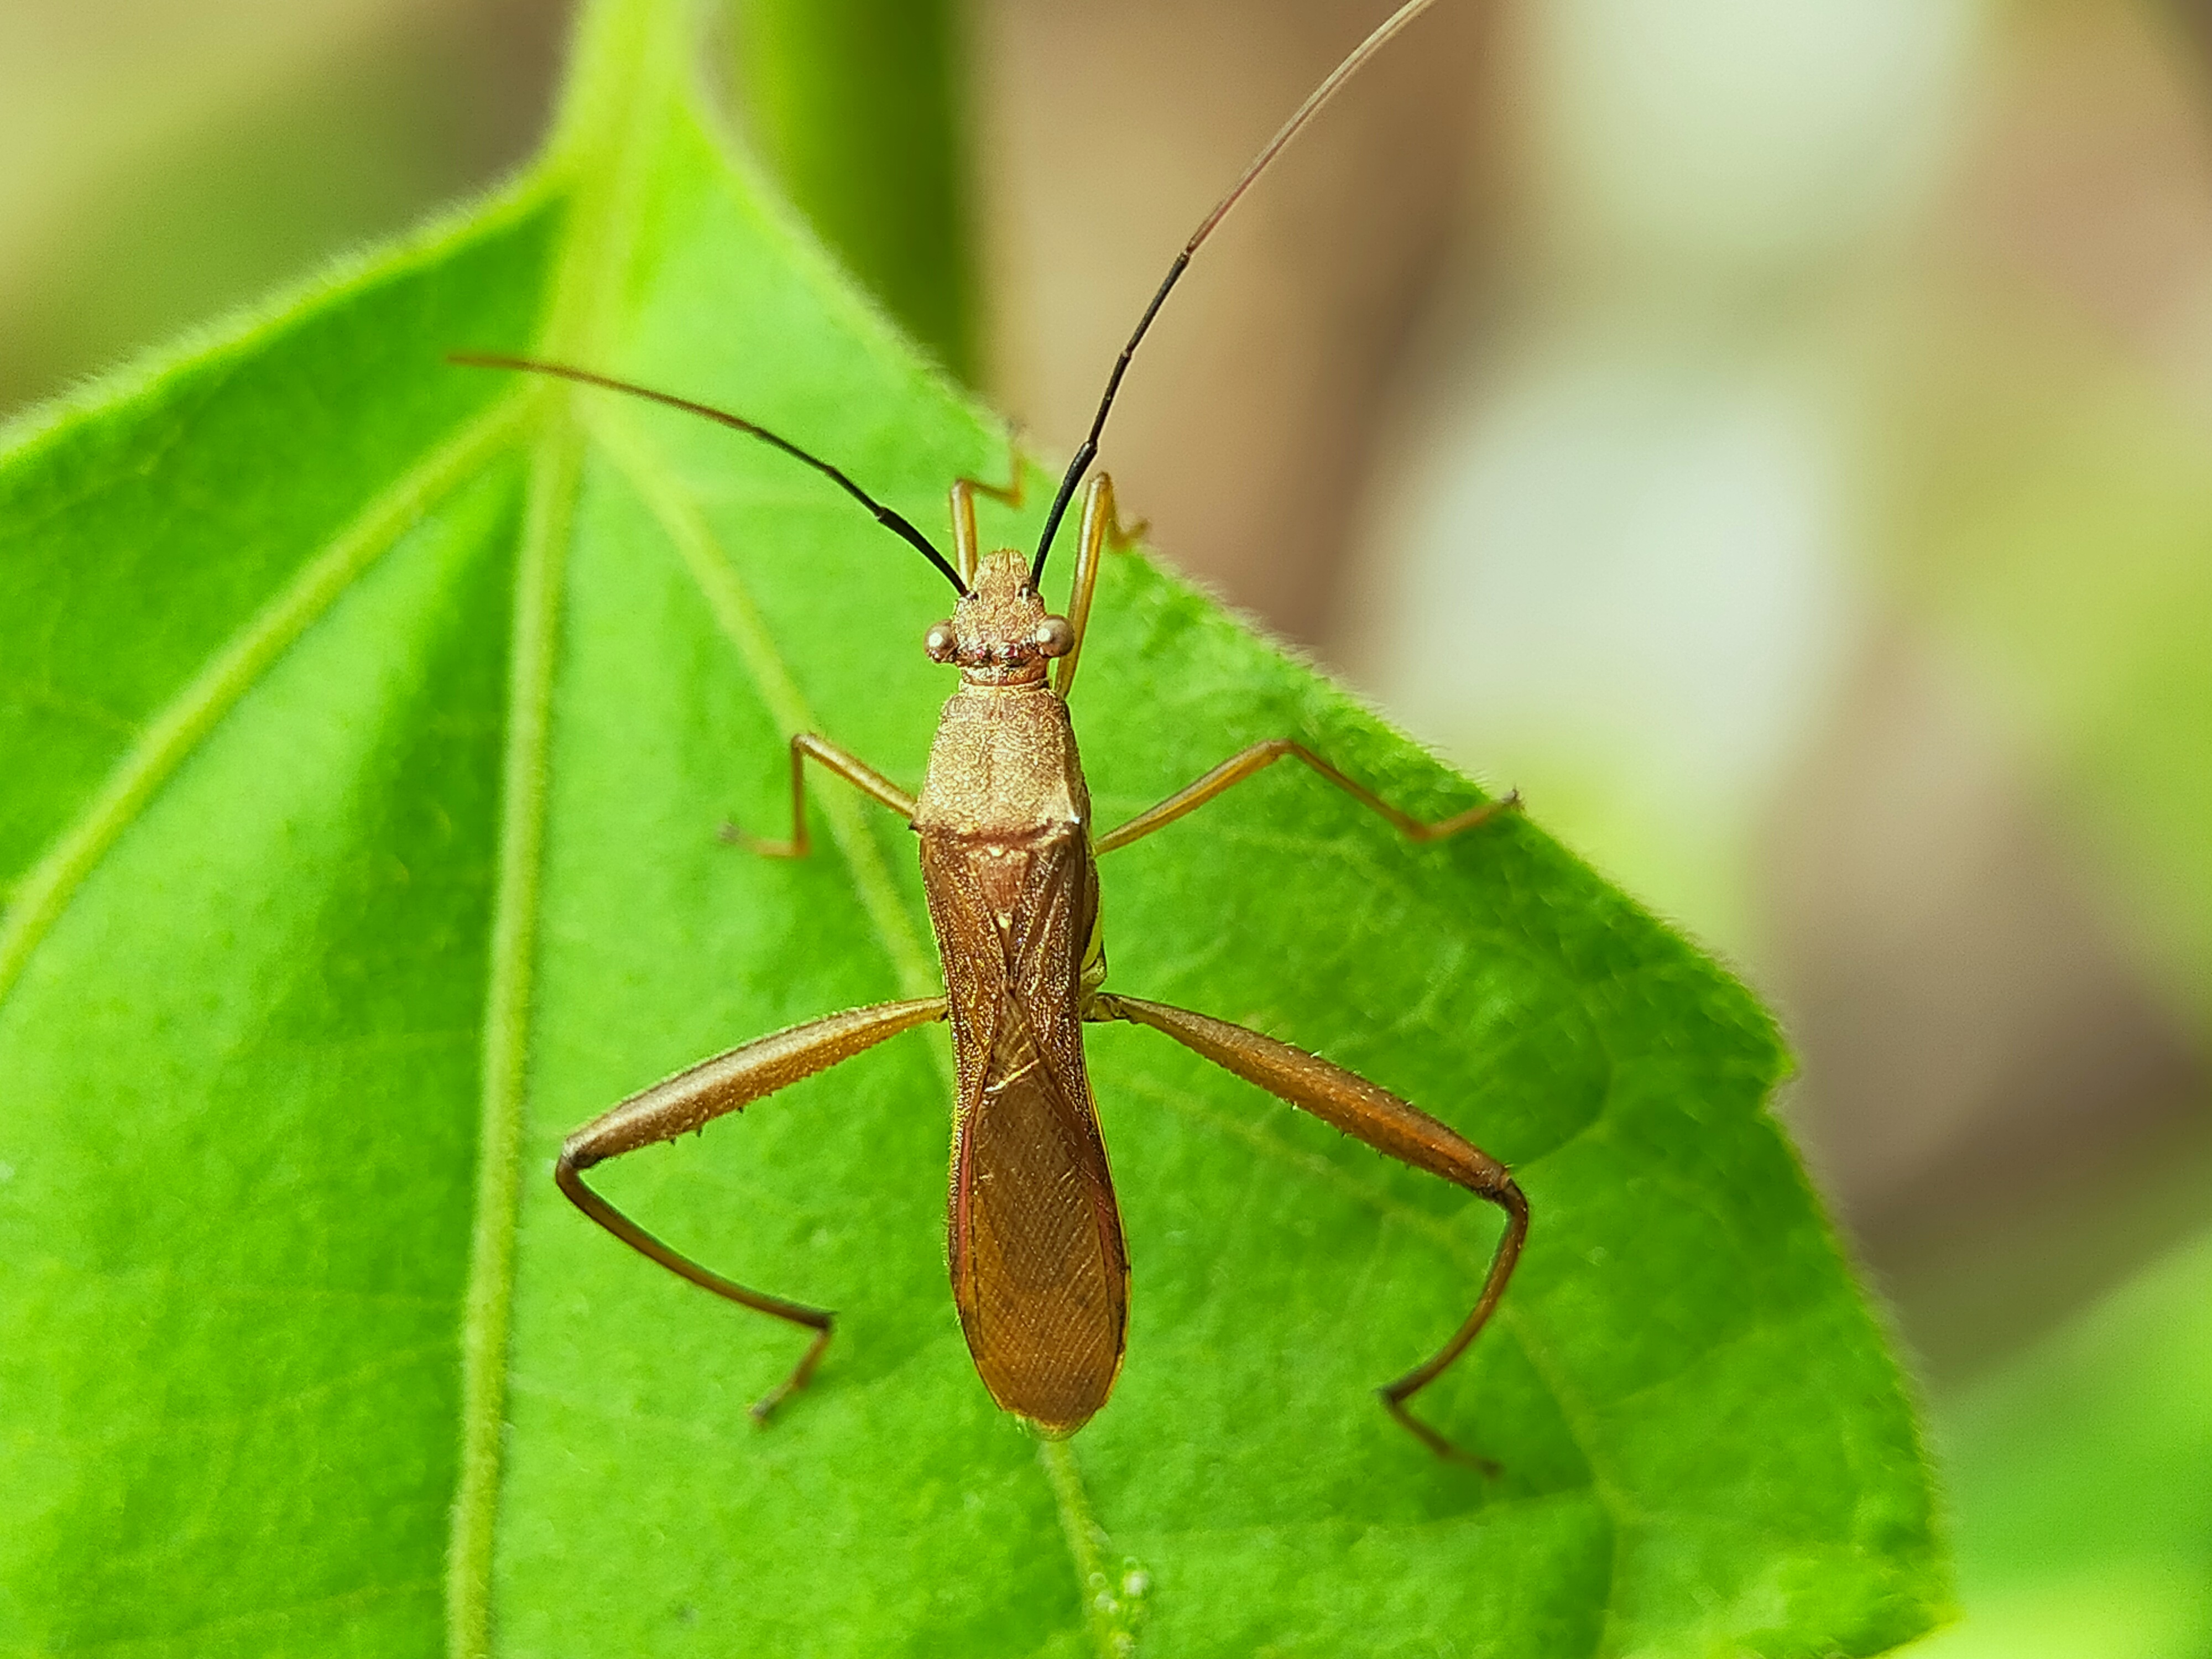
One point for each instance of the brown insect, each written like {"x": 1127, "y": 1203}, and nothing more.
{"x": 1009, "y": 861}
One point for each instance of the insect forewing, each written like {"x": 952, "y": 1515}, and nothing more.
{"x": 1040, "y": 1272}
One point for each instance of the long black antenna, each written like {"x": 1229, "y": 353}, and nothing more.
{"x": 1320, "y": 96}
{"x": 890, "y": 521}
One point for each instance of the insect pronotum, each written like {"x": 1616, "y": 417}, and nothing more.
{"x": 1009, "y": 862}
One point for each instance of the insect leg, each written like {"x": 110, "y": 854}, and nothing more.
{"x": 862, "y": 776}
{"x": 963, "y": 501}
{"x": 1102, "y": 528}
{"x": 693, "y": 1098}
{"x": 1261, "y": 755}
{"x": 1389, "y": 1124}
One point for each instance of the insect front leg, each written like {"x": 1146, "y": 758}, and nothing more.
{"x": 1261, "y": 755}
{"x": 1392, "y": 1127}
{"x": 863, "y": 777}
{"x": 963, "y": 504}
{"x": 1102, "y": 528}
{"x": 693, "y": 1098}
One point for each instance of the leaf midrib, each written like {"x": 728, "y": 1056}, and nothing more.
{"x": 599, "y": 154}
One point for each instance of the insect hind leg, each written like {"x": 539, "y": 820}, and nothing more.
{"x": 695, "y": 1097}
{"x": 1394, "y": 1127}
{"x": 567, "y": 1174}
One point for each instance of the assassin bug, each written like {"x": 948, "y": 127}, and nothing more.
{"x": 1040, "y": 1270}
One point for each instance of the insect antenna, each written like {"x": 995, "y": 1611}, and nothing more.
{"x": 1305, "y": 112}
{"x": 895, "y": 522}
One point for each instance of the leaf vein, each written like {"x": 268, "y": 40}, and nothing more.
{"x": 171, "y": 736}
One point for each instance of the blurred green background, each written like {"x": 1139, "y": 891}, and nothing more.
{"x": 1778, "y": 438}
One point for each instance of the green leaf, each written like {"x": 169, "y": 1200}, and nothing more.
{"x": 2077, "y": 1472}
{"x": 366, "y": 724}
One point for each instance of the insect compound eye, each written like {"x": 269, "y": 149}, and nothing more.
{"x": 939, "y": 642}
{"x": 1054, "y": 636}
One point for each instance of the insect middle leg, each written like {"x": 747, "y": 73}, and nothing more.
{"x": 863, "y": 777}
{"x": 1261, "y": 755}
{"x": 692, "y": 1099}
{"x": 1392, "y": 1127}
